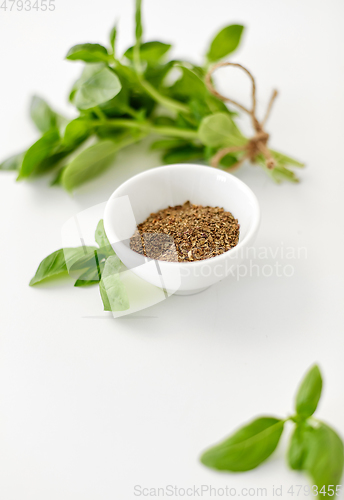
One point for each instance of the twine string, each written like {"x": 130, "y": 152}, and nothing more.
{"x": 258, "y": 143}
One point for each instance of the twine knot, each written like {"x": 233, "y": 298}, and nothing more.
{"x": 258, "y": 144}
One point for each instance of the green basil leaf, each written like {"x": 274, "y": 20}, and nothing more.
{"x": 60, "y": 262}
{"x": 219, "y": 130}
{"x": 13, "y": 162}
{"x": 186, "y": 122}
{"x": 50, "y": 162}
{"x": 246, "y": 448}
{"x": 167, "y": 144}
{"x": 151, "y": 52}
{"x": 279, "y": 173}
{"x": 56, "y": 180}
{"x": 39, "y": 151}
{"x": 298, "y": 447}
{"x": 87, "y": 261}
{"x": 111, "y": 287}
{"x": 128, "y": 74}
{"x": 183, "y": 153}
{"x": 118, "y": 105}
{"x": 102, "y": 239}
{"x": 138, "y": 21}
{"x": 42, "y": 115}
{"x": 88, "y": 52}
{"x": 227, "y": 161}
{"x": 91, "y": 276}
{"x": 286, "y": 160}
{"x": 88, "y": 71}
{"x": 225, "y": 42}
{"x": 113, "y": 266}
{"x": 217, "y": 106}
{"x": 112, "y": 37}
{"x": 76, "y": 132}
{"x": 189, "y": 85}
{"x": 199, "y": 109}
{"x": 325, "y": 458}
{"x": 309, "y": 393}
{"x": 164, "y": 121}
{"x": 98, "y": 88}
{"x": 156, "y": 73}
{"x": 88, "y": 164}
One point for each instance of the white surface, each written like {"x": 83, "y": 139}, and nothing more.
{"x": 91, "y": 407}
{"x": 172, "y": 185}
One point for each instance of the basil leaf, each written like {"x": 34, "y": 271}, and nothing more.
{"x": 56, "y": 180}
{"x": 225, "y": 42}
{"x": 76, "y": 132}
{"x": 50, "y": 162}
{"x": 309, "y": 393}
{"x": 88, "y": 52}
{"x": 40, "y": 150}
{"x": 164, "y": 121}
{"x": 118, "y": 105}
{"x": 227, "y": 161}
{"x": 167, "y": 144}
{"x": 101, "y": 86}
{"x": 186, "y": 122}
{"x": 280, "y": 173}
{"x": 217, "y": 106}
{"x": 156, "y": 73}
{"x": 88, "y": 71}
{"x": 138, "y": 22}
{"x": 88, "y": 164}
{"x": 60, "y": 262}
{"x": 298, "y": 447}
{"x": 183, "y": 153}
{"x": 189, "y": 85}
{"x": 42, "y": 115}
{"x": 91, "y": 276}
{"x": 246, "y": 448}
{"x": 286, "y": 160}
{"x": 218, "y": 130}
{"x": 325, "y": 457}
{"x": 112, "y": 37}
{"x": 199, "y": 109}
{"x": 88, "y": 260}
{"x": 102, "y": 239}
{"x": 114, "y": 294}
{"x": 113, "y": 266}
{"x": 13, "y": 162}
{"x": 151, "y": 52}
{"x": 111, "y": 287}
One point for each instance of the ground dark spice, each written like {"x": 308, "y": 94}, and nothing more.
{"x": 186, "y": 233}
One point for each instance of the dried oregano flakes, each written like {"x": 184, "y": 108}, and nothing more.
{"x": 186, "y": 233}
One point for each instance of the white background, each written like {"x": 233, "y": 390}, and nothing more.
{"x": 91, "y": 407}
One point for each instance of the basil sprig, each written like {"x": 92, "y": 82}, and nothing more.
{"x": 314, "y": 447}
{"x": 123, "y": 98}
{"x": 92, "y": 266}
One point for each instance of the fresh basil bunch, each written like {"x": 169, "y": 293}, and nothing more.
{"x": 122, "y": 99}
{"x": 314, "y": 447}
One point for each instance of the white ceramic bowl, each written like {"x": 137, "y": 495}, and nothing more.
{"x": 152, "y": 190}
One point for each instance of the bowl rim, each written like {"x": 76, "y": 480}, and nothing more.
{"x": 218, "y": 258}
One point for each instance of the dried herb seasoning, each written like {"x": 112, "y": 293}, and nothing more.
{"x": 186, "y": 233}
